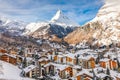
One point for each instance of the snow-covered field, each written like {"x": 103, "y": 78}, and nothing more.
{"x": 10, "y": 72}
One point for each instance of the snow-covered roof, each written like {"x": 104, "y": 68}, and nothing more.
{"x": 82, "y": 51}
{"x": 43, "y": 59}
{"x": 31, "y": 53}
{"x": 111, "y": 54}
{"x": 77, "y": 67}
{"x": 56, "y": 77}
{"x": 29, "y": 68}
{"x": 104, "y": 60}
{"x": 57, "y": 66}
{"x": 118, "y": 75}
{"x": 60, "y": 55}
{"x": 11, "y": 55}
{"x": 60, "y": 52}
{"x": 99, "y": 50}
{"x": 86, "y": 57}
{"x": 114, "y": 74}
{"x": 29, "y": 59}
{"x": 101, "y": 75}
{"x": 84, "y": 71}
{"x": 86, "y": 51}
{"x": 71, "y": 55}
{"x": 98, "y": 69}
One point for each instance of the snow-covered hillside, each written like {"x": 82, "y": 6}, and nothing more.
{"x": 32, "y": 27}
{"x": 10, "y": 72}
{"x": 109, "y": 17}
{"x": 104, "y": 29}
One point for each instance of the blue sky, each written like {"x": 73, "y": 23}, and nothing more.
{"x": 81, "y": 11}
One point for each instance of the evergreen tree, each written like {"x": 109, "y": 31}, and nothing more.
{"x": 56, "y": 53}
{"x": 36, "y": 56}
{"x": 24, "y": 63}
{"x": 77, "y": 60}
{"x": 108, "y": 71}
{"x": 20, "y": 52}
{"x": 51, "y": 58}
{"x": 97, "y": 60}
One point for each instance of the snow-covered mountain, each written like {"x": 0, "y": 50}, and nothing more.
{"x": 32, "y": 27}
{"x": 13, "y": 27}
{"x": 60, "y": 25}
{"x": 61, "y": 19}
{"x": 104, "y": 29}
{"x": 109, "y": 17}
{"x": 45, "y": 30}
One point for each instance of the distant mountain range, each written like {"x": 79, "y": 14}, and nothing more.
{"x": 59, "y": 26}
{"x": 12, "y": 27}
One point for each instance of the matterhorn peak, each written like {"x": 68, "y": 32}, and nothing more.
{"x": 57, "y": 16}
{"x": 60, "y": 18}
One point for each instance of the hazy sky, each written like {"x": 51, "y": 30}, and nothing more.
{"x": 43, "y": 10}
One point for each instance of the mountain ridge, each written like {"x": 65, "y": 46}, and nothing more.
{"x": 14, "y": 27}
{"x": 59, "y": 26}
{"x": 104, "y": 29}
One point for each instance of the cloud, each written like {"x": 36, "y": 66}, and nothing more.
{"x": 43, "y": 10}
{"x": 112, "y": 1}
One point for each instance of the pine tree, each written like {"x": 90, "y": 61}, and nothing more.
{"x": 51, "y": 58}
{"x": 108, "y": 71}
{"x": 56, "y": 53}
{"x": 97, "y": 60}
{"x": 77, "y": 60}
{"x": 36, "y": 56}
{"x": 21, "y": 52}
{"x": 24, "y": 63}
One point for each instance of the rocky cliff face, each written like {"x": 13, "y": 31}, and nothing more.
{"x": 50, "y": 30}
{"x": 104, "y": 29}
